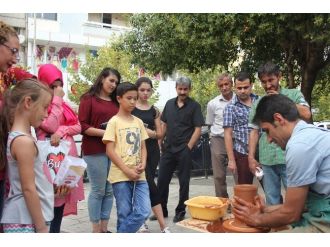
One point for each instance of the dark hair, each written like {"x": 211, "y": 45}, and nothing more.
{"x": 242, "y": 76}
{"x": 143, "y": 80}
{"x": 95, "y": 89}
{"x": 269, "y": 68}
{"x": 275, "y": 103}
{"x": 6, "y": 31}
{"x": 12, "y": 100}
{"x": 125, "y": 87}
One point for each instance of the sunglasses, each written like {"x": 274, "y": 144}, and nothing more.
{"x": 14, "y": 51}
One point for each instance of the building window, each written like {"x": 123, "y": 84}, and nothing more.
{"x": 45, "y": 16}
{"x": 105, "y": 18}
{"x": 93, "y": 53}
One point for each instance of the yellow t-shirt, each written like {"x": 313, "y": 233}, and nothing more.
{"x": 127, "y": 136}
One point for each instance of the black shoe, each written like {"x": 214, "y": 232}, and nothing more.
{"x": 179, "y": 216}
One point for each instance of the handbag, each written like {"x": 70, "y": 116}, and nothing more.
{"x": 52, "y": 157}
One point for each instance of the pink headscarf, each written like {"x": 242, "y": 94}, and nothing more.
{"x": 48, "y": 74}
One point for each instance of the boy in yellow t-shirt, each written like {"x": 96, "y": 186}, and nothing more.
{"x": 125, "y": 137}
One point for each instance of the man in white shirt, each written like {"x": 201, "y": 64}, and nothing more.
{"x": 214, "y": 119}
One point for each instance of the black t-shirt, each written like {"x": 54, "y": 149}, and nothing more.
{"x": 181, "y": 122}
{"x": 148, "y": 118}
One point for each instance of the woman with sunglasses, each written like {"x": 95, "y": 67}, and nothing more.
{"x": 97, "y": 106}
{"x": 9, "y": 47}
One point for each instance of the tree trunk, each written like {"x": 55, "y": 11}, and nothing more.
{"x": 289, "y": 61}
{"x": 291, "y": 82}
{"x": 312, "y": 64}
{"x": 308, "y": 81}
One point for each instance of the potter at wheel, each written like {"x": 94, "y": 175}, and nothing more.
{"x": 248, "y": 193}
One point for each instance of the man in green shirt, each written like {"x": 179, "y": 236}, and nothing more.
{"x": 271, "y": 156}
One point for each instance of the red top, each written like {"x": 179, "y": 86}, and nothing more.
{"x": 94, "y": 111}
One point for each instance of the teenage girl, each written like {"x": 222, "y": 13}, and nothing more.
{"x": 150, "y": 116}
{"x": 30, "y": 202}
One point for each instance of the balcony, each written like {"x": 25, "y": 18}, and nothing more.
{"x": 103, "y": 30}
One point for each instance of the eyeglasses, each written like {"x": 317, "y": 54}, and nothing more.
{"x": 14, "y": 51}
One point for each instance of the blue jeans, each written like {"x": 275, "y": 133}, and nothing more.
{"x": 273, "y": 175}
{"x": 133, "y": 205}
{"x": 100, "y": 198}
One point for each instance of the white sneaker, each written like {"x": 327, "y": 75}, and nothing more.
{"x": 144, "y": 228}
{"x": 166, "y": 230}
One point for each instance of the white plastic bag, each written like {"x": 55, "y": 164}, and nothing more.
{"x": 52, "y": 157}
{"x": 70, "y": 171}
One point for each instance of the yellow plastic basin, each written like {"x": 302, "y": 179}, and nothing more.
{"x": 209, "y": 208}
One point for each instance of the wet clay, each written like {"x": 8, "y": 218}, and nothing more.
{"x": 246, "y": 192}
{"x": 232, "y": 226}
{"x": 215, "y": 227}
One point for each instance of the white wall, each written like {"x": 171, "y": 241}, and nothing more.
{"x": 166, "y": 91}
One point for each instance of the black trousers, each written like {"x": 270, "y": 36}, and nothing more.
{"x": 169, "y": 162}
{"x": 152, "y": 163}
{"x": 55, "y": 225}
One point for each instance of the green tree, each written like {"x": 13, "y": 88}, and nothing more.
{"x": 300, "y": 43}
{"x": 107, "y": 56}
{"x": 204, "y": 85}
{"x": 322, "y": 108}
{"x": 321, "y": 97}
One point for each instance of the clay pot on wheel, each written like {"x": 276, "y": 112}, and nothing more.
{"x": 247, "y": 192}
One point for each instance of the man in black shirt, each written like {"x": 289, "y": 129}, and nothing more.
{"x": 182, "y": 121}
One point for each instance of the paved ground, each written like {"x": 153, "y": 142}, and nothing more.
{"x": 198, "y": 186}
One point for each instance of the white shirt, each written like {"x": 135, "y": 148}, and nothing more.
{"x": 214, "y": 114}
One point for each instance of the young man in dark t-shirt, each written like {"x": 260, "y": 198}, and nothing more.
{"x": 182, "y": 120}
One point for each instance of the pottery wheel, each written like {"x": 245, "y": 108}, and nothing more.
{"x": 231, "y": 226}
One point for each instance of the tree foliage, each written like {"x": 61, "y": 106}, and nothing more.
{"x": 204, "y": 85}
{"x": 321, "y": 97}
{"x": 107, "y": 56}
{"x": 300, "y": 43}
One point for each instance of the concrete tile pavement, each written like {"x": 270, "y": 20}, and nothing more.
{"x": 198, "y": 186}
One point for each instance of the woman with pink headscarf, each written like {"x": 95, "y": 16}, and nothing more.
{"x": 61, "y": 123}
